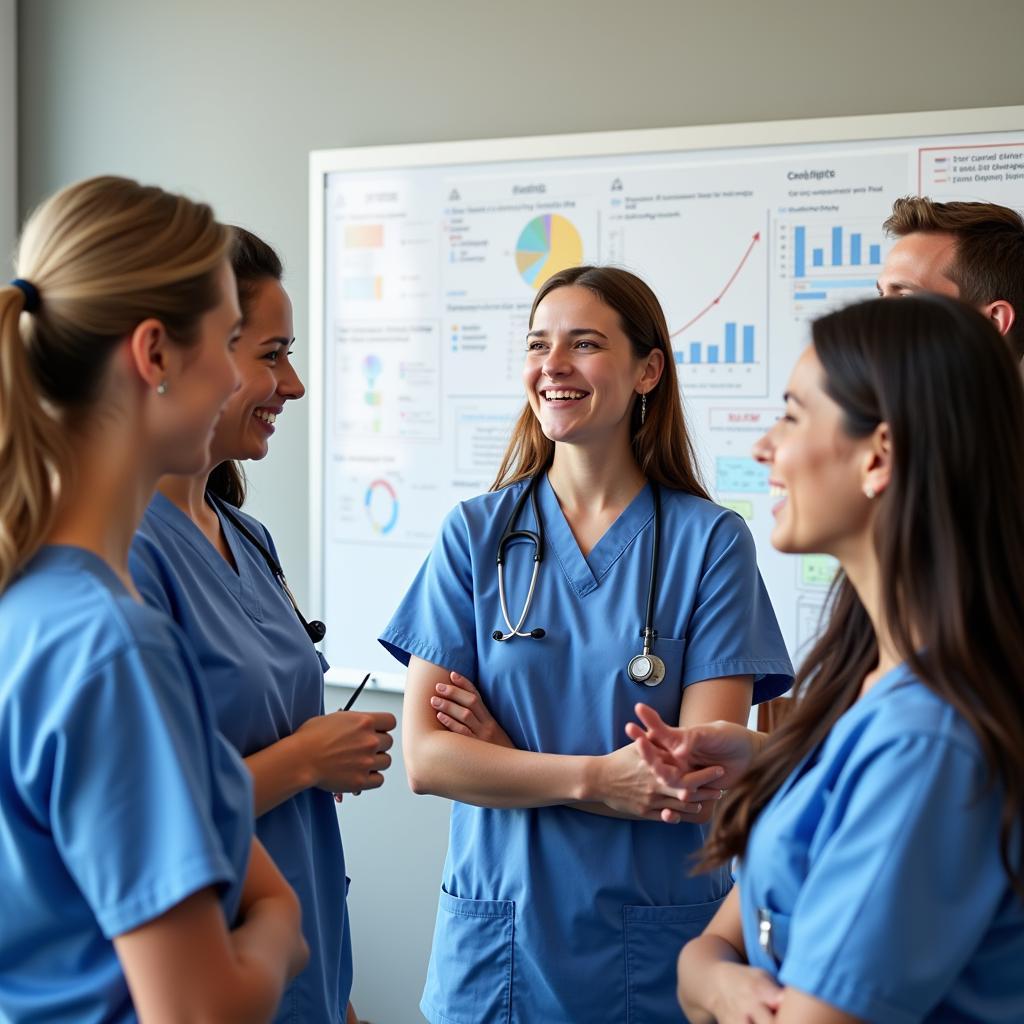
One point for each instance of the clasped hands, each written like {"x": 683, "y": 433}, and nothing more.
{"x": 668, "y": 773}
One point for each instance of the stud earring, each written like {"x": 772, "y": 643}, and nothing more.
{"x": 643, "y": 408}
{"x": 161, "y": 388}
{"x": 869, "y": 492}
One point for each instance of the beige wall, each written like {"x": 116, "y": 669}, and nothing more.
{"x": 225, "y": 98}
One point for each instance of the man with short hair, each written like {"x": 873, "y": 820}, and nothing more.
{"x": 970, "y": 251}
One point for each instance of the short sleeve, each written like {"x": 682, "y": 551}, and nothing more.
{"x": 130, "y": 760}
{"x": 733, "y": 629}
{"x": 436, "y": 619}
{"x": 905, "y": 879}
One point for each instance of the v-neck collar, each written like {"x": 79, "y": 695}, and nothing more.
{"x": 239, "y": 583}
{"x": 585, "y": 573}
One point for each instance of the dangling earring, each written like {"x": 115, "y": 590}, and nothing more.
{"x": 161, "y": 388}
{"x": 643, "y": 408}
{"x": 869, "y": 492}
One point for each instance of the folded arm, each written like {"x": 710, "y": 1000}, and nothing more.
{"x": 455, "y": 748}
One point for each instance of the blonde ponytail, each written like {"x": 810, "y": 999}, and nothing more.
{"x": 104, "y": 255}
{"x": 33, "y": 451}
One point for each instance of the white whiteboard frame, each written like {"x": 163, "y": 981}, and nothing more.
{"x": 861, "y": 128}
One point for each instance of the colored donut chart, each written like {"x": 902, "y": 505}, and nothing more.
{"x": 381, "y": 504}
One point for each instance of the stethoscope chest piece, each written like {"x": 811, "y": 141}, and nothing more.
{"x": 647, "y": 669}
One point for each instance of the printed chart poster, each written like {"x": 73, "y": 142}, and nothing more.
{"x": 430, "y": 273}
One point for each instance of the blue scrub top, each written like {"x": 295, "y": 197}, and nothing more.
{"x": 552, "y": 914}
{"x": 877, "y": 866}
{"x": 265, "y": 679}
{"x": 118, "y": 798}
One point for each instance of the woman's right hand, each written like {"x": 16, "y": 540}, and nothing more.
{"x": 744, "y": 995}
{"x": 680, "y": 757}
{"x": 346, "y": 750}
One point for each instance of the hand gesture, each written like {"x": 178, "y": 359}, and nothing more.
{"x": 346, "y": 750}
{"x": 693, "y": 761}
{"x": 625, "y": 782}
{"x": 461, "y": 709}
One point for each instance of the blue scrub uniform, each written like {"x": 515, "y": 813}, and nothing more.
{"x": 265, "y": 679}
{"x": 876, "y": 870}
{"x": 552, "y": 914}
{"x": 118, "y": 799}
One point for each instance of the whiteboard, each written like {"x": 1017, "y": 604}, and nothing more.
{"x": 425, "y": 259}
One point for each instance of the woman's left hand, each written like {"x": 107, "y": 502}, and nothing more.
{"x": 460, "y": 708}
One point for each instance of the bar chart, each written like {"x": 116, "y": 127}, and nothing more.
{"x": 695, "y": 352}
{"x": 724, "y": 360}
{"x": 829, "y": 263}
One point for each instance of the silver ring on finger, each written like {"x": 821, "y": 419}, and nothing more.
{"x": 721, "y": 794}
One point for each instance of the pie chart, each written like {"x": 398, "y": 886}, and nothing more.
{"x": 547, "y": 244}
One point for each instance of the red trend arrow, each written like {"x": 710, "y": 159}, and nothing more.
{"x": 718, "y": 298}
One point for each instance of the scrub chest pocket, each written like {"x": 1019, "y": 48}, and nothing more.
{"x": 469, "y": 980}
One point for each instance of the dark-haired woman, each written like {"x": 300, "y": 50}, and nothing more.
{"x": 196, "y": 557}
{"x": 564, "y": 891}
{"x": 880, "y": 829}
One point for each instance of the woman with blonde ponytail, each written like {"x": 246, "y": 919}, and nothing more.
{"x": 132, "y": 886}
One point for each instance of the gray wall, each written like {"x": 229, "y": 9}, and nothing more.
{"x": 224, "y": 99}
{"x": 8, "y": 130}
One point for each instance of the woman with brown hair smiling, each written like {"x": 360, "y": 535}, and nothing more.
{"x": 879, "y": 830}
{"x": 616, "y": 579}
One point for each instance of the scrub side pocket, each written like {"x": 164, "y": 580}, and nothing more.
{"x": 653, "y": 938}
{"x": 469, "y": 980}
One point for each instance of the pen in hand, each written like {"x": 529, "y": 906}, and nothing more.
{"x": 355, "y": 693}
{"x": 348, "y": 707}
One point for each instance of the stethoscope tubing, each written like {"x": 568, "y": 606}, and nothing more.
{"x": 537, "y": 538}
{"x": 315, "y": 630}
{"x": 510, "y": 533}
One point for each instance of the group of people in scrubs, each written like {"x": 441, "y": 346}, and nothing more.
{"x": 170, "y": 838}
{"x": 584, "y": 644}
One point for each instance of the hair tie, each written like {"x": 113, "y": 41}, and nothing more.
{"x": 30, "y": 291}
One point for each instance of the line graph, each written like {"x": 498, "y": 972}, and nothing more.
{"x": 725, "y": 288}
{"x": 722, "y": 349}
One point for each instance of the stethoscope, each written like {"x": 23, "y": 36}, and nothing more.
{"x": 315, "y": 630}
{"x": 646, "y": 667}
